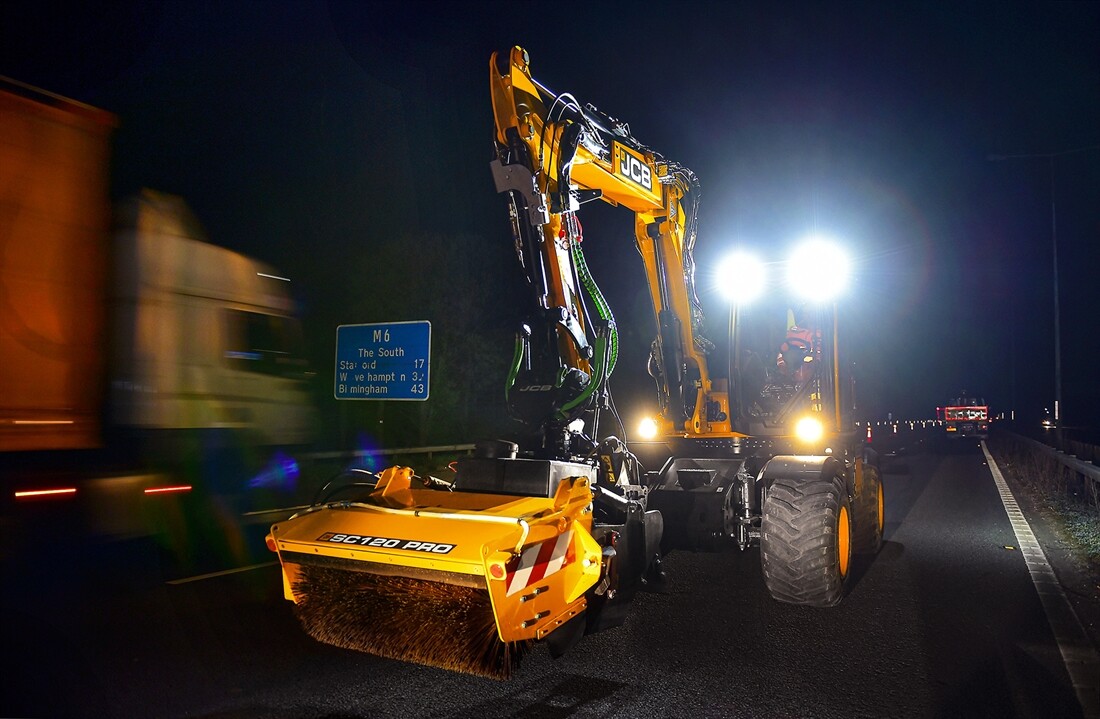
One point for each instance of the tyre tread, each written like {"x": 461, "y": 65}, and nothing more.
{"x": 798, "y": 540}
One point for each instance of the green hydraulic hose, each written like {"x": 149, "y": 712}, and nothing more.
{"x": 602, "y": 307}
{"x": 599, "y": 376}
{"x": 517, "y": 360}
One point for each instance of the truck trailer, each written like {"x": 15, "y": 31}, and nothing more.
{"x": 137, "y": 357}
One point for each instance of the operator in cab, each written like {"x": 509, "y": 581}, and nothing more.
{"x": 801, "y": 347}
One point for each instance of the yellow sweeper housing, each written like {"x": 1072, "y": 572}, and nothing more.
{"x": 457, "y": 580}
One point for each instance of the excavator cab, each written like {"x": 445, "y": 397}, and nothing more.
{"x": 791, "y": 383}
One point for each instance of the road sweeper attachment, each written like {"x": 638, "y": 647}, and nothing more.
{"x": 459, "y": 576}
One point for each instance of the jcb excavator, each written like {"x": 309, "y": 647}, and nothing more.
{"x": 548, "y": 541}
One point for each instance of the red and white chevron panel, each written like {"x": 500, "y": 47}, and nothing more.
{"x": 538, "y": 562}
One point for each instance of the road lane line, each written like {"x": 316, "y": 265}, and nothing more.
{"x": 224, "y": 572}
{"x": 1078, "y": 654}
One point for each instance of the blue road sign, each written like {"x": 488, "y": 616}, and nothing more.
{"x": 383, "y": 361}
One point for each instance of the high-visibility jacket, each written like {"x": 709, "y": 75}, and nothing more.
{"x": 801, "y": 345}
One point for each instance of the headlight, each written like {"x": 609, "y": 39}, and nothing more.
{"x": 809, "y": 429}
{"x": 647, "y": 428}
{"x": 819, "y": 270}
{"x": 741, "y": 278}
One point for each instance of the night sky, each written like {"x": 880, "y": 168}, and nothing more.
{"x": 311, "y": 134}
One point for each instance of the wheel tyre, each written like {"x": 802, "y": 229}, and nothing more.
{"x": 806, "y": 540}
{"x": 869, "y": 513}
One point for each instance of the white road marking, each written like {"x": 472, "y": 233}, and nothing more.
{"x": 1080, "y": 657}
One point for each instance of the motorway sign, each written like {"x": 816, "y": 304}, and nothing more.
{"x": 383, "y": 361}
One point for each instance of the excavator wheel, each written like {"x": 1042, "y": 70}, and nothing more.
{"x": 869, "y": 508}
{"x": 806, "y": 540}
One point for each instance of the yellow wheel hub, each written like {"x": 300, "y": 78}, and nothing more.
{"x": 843, "y": 541}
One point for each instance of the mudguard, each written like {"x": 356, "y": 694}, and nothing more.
{"x": 808, "y": 467}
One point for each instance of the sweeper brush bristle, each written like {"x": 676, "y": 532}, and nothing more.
{"x": 414, "y": 620}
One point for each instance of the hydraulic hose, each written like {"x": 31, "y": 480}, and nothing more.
{"x": 600, "y": 302}
{"x": 599, "y": 376}
{"x": 517, "y": 361}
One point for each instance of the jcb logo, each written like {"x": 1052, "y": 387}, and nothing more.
{"x": 635, "y": 169}
{"x": 537, "y": 388}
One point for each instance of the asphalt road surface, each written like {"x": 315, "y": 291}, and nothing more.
{"x": 944, "y": 622}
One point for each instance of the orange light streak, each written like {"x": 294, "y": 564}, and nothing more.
{"x": 168, "y": 490}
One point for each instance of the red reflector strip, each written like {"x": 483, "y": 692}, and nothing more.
{"x": 168, "y": 490}
{"x": 34, "y": 493}
{"x": 538, "y": 562}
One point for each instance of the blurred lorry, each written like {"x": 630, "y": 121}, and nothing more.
{"x": 134, "y": 355}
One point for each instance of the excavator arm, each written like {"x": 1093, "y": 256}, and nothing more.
{"x": 553, "y": 155}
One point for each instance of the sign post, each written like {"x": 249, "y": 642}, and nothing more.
{"x": 383, "y": 361}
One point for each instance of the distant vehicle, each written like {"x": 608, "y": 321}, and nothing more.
{"x": 966, "y": 416}
{"x": 133, "y": 352}
{"x": 1048, "y": 421}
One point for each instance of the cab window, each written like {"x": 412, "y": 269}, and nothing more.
{"x": 266, "y": 344}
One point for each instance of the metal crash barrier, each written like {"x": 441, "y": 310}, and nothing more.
{"x": 1064, "y": 472}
